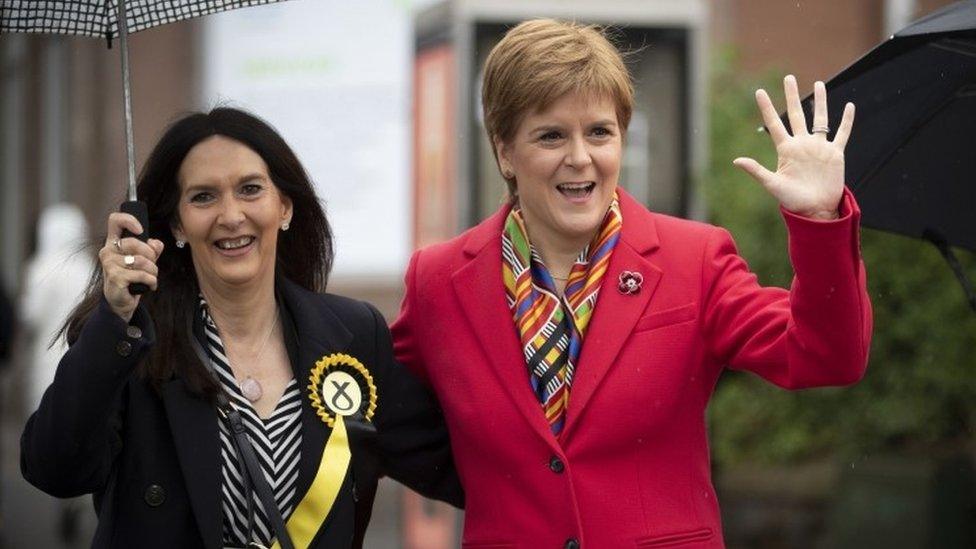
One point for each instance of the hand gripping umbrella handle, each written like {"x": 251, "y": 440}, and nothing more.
{"x": 138, "y": 210}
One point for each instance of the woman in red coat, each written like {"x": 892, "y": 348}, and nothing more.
{"x": 574, "y": 338}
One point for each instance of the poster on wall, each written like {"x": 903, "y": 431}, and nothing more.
{"x": 435, "y": 177}
{"x": 333, "y": 77}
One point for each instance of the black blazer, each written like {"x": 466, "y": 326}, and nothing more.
{"x": 151, "y": 458}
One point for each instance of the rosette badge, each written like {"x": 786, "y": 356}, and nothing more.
{"x": 341, "y": 386}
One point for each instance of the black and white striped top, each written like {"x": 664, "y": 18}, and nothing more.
{"x": 276, "y": 440}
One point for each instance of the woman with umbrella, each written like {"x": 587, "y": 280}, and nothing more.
{"x": 574, "y": 337}
{"x": 234, "y": 404}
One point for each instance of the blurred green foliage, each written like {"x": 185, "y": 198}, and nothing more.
{"x": 920, "y": 389}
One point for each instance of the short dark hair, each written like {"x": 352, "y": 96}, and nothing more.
{"x": 304, "y": 252}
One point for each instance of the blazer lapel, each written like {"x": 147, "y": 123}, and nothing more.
{"x": 478, "y": 285}
{"x": 616, "y": 313}
{"x": 193, "y": 422}
{"x": 318, "y": 333}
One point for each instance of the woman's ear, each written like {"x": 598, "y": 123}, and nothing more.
{"x": 177, "y": 229}
{"x": 504, "y": 163}
{"x": 286, "y": 210}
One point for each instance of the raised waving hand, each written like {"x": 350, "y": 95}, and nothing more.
{"x": 809, "y": 176}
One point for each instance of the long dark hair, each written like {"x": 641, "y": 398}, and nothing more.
{"x": 305, "y": 251}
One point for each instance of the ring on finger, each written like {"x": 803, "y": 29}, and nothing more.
{"x": 129, "y": 261}
{"x": 825, "y": 129}
{"x": 118, "y": 245}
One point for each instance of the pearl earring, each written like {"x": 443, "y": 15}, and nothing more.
{"x": 284, "y": 226}
{"x": 180, "y": 243}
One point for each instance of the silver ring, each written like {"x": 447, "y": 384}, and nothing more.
{"x": 118, "y": 245}
{"x": 129, "y": 261}
{"x": 820, "y": 129}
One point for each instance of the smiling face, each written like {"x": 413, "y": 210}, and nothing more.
{"x": 566, "y": 161}
{"x": 229, "y": 213}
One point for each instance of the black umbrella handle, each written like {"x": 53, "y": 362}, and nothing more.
{"x": 943, "y": 245}
{"x": 140, "y": 211}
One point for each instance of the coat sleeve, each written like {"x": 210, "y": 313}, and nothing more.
{"x": 405, "y": 346}
{"x": 413, "y": 443}
{"x": 69, "y": 444}
{"x": 817, "y": 333}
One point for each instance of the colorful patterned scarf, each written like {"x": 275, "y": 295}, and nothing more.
{"x": 552, "y": 327}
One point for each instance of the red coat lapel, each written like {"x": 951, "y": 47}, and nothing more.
{"x": 481, "y": 291}
{"x": 616, "y": 313}
{"x": 479, "y": 287}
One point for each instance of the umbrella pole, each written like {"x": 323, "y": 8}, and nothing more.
{"x": 127, "y": 100}
{"x": 939, "y": 242}
{"x": 132, "y": 206}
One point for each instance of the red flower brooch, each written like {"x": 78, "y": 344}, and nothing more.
{"x": 630, "y": 282}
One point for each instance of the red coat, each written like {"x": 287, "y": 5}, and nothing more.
{"x": 631, "y": 467}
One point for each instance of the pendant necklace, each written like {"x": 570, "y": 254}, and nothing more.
{"x": 250, "y": 387}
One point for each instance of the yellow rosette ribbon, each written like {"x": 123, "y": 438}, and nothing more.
{"x": 339, "y": 386}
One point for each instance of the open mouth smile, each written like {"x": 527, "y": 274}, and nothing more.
{"x": 576, "y": 191}
{"x": 234, "y": 246}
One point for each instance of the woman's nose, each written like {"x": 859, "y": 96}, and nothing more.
{"x": 231, "y": 213}
{"x": 578, "y": 154}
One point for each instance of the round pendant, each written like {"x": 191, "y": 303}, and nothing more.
{"x": 251, "y": 389}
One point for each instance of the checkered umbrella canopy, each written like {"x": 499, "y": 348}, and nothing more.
{"x": 99, "y": 18}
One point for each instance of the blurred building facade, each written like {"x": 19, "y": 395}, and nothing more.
{"x": 60, "y": 100}
{"x": 61, "y": 119}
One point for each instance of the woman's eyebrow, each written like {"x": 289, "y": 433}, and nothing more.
{"x": 251, "y": 177}
{"x": 196, "y": 187}
{"x": 546, "y": 128}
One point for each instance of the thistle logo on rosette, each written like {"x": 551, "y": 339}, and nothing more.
{"x": 340, "y": 385}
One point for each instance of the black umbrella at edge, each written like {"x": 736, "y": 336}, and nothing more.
{"x": 955, "y": 20}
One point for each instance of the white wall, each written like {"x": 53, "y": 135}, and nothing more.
{"x": 333, "y": 76}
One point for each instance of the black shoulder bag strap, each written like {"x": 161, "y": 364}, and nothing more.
{"x": 253, "y": 476}
{"x": 253, "y": 470}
